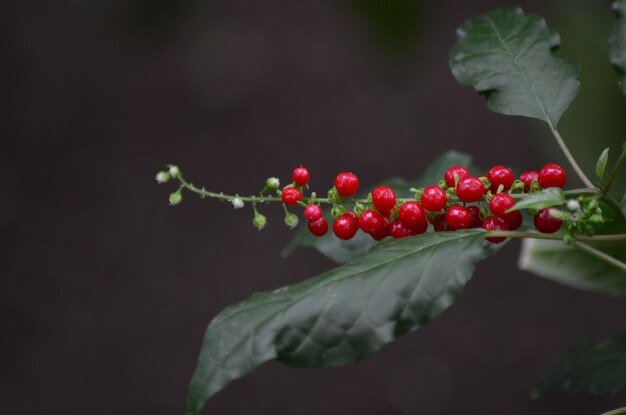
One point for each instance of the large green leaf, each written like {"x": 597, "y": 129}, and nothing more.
{"x": 342, "y": 315}
{"x": 507, "y": 56}
{"x": 589, "y": 368}
{"x": 552, "y": 196}
{"x": 569, "y": 266}
{"x": 617, "y": 43}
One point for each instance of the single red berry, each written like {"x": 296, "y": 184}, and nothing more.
{"x": 527, "y": 177}
{"x": 513, "y": 219}
{"x": 383, "y": 232}
{"x": 346, "y": 184}
{"x": 470, "y": 189}
{"x": 420, "y": 228}
{"x": 291, "y": 195}
{"x": 398, "y": 230}
{"x": 412, "y": 215}
{"x": 300, "y": 176}
{"x": 475, "y": 212}
{"x": 500, "y": 203}
{"x": 458, "y": 217}
{"x": 318, "y": 227}
{"x": 352, "y": 215}
{"x": 495, "y": 223}
{"x": 434, "y": 198}
{"x": 460, "y": 171}
{"x": 552, "y": 175}
{"x": 345, "y": 227}
{"x": 500, "y": 175}
{"x": 384, "y": 199}
{"x": 546, "y": 223}
{"x": 312, "y": 213}
{"x": 439, "y": 223}
{"x": 371, "y": 221}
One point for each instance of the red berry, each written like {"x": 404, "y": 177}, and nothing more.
{"x": 513, "y": 219}
{"x": 384, "y": 199}
{"x": 318, "y": 227}
{"x": 346, "y": 184}
{"x": 312, "y": 212}
{"x": 412, "y": 215}
{"x": 527, "y": 177}
{"x": 383, "y": 232}
{"x": 552, "y": 175}
{"x": 345, "y": 226}
{"x": 300, "y": 176}
{"x": 460, "y": 171}
{"x": 458, "y": 217}
{"x": 475, "y": 212}
{"x": 372, "y": 222}
{"x": 470, "y": 189}
{"x": 546, "y": 223}
{"x": 352, "y": 215}
{"x": 439, "y": 223}
{"x": 500, "y": 175}
{"x": 398, "y": 230}
{"x": 434, "y": 198}
{"x": 500, "y": 203}
{"x": 495, "y": 223}
{"x": 291, "y": 196}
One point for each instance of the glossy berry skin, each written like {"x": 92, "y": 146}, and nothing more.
{"x": 458, "y": 217}
{"x": 398, "y": 230}
{"x": 513, "y": 219}
{"x": 300, "y": 176}
{"x": 312, "y": 212}
{"x": 318, "y": 227}
{"x": 384, "y": 199}
{"x": 552, "y": 175}
{"x": 346, "y": 184}
{"x": 500, "y": 203}
{"x": 500, "y": 175}
{"x": 495, "y": 223}
{"x": 545, "y": 223}
{"x": 412, "y": 215}
{"x": 460, "y": 171}
{"x": 475, "y": 212}
{"x": 372, "y": 222}
{"x": 434, "y": 198}
{"x": 352, "y": 215}
{"x": 345, "y": 227}
{"x": 470, "y": 189}
{"x": 439, "y": 223}
{"x": 291, "y": 195}
{"x": 527, "y": 177}
{"x": 383, "y": 232}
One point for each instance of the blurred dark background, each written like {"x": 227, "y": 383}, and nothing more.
{"x": 106, "y": 290}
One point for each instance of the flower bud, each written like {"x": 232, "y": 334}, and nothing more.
{"x": 176, "y": 198}
{"x": 162, "y": 177}
{"x": 174, "y": 171}
{"x": 237, "y": 202}
{"x": 272, "y": 183}
{"x": 573, "y": 204}
{"x": 259, "y": 221}
{"x": 291, "y": 220}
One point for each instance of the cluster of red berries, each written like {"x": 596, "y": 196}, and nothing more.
{"x": 444, "y": 206}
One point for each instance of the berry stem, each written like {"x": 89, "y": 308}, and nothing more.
{"x": 537, "y": 235}
{"x": 618, "y": 164}
{"x": 570, "y": 157}
{"x": 601, "y": 256}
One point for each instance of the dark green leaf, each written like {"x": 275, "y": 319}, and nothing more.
{"x": 617, "y": 43}
{"x": 342, "y": 315}
{"x": 624, "y": 205}
{"x": 552, "y": 196}
{"x": 588, "y": 367}
{"x": 569, "y": 266}
{"x": 601, "y": 163}
{"x": 507, "y": 56}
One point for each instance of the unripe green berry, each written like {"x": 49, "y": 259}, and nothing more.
{"x": 272, "y": 183}
{"x": 291, "y": 220}
{"x": 174, "y": 171}
{"x": 259, "y": 221}
{"x": 176, "y": 198}
{"x": 237, "y": 202}
{"x": 162, "y": 177}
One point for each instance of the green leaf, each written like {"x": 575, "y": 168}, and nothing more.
{"x": 569, "y": 266}
{"x": 507, "y": 56}
{"x": 601, "y": 163}
{"x": 344, "y": 251}
{"x": 342, "y": 315}
{"x": 624, "y": 205}
{"x": 617, "y": 43}
{"x": 552, "y": 196}
{"x": 588, "y": 367}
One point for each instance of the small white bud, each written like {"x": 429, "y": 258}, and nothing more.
{"x": 237, "y": 202}
{"x": 259, "y": 221}
{"x": 162, "y": 177}
{"x": 291, "y": 220}
{"x": 573, "y": 204}
{"x": 174, "y": 171}
{"x": 272, "y": 183}
{"x": 175, "y": 198}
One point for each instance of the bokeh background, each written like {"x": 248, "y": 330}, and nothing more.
{"x": 106, "y": 290}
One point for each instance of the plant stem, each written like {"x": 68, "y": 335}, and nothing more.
{"x": 570, "y": 157}
{"x": 617, "y": 411}
{"x": 618, "y": 164}
{"x": 601, "y": 256}
{"x": 536, "y": 235}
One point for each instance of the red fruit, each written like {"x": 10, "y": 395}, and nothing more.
{"x": 345, "y": 226}
{"x": 552, "y": 175}
{"x": 412, "y": 215}
{"x": 500, "y": 203}
{"x": 372, "y": 222}
{"x": 495, "y": 223}
{"x": 434, "y": 198}
{"x": 475, "y": 212}
{"x": 470, "y": 189}
{"x": 527, "y": 177}
{"x": 318, "y": 227}
{"x": 384, "y": 199}
{"x": 420, "y": 228}
{"x": 300, "y": 176}
{"x": 383, "y": 232}
{"x": 346, "y": 184}
{"x": 352, "y": 215}
{"x": 439, "y": 223}
{"x": 513, "y": 219}
{"x": 312, "y": 212}
{"x": 546, "y": 223}
{"x": 398, "y": 230}
{"x": 291, "y": 195}
{"x": 460, "y": 171}
{"x": 457, "y": 217}
{"x": 500, "y": 175}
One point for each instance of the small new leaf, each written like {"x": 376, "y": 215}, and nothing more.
{"x": 617, "y": 43}
{"x": 601, "y": 163}
{"x": 552, "y": 196}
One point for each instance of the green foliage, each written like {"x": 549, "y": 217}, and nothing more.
{"x": 589, "y": 368}
{"x": 617, "y": 43}
{"x": 552, "y": 196}
{"x": 601, "y": 163}
{"x": 342, "y": 315}
{"x": 507, "y": 56}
